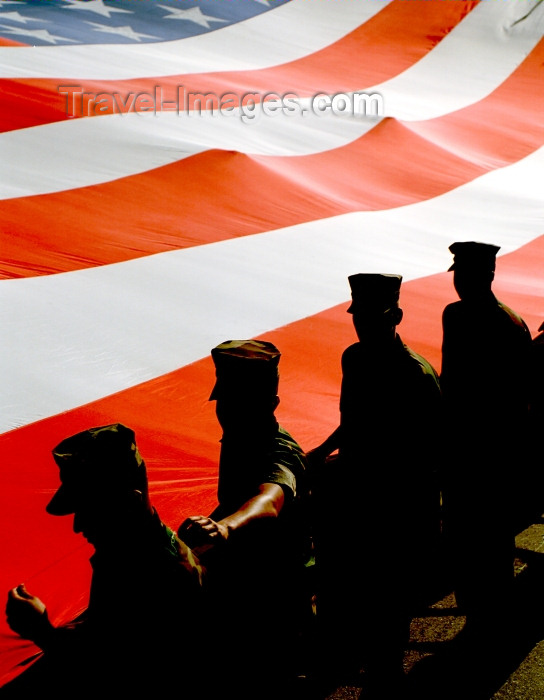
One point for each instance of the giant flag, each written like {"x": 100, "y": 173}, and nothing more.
{"x": 177, "y": 173}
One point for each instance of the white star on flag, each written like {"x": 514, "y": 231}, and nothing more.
{"x": 94, "y": 6}
{"x": 194, "y": 14}
{"x": 125, "y": 31}
{"x": 18, "y": 17}
{"x": 42, "y": 34}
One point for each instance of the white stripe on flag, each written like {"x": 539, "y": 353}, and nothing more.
{"x": 468, "y": 64}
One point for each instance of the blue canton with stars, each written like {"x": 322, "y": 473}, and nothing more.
{"x": 72, "y": 22}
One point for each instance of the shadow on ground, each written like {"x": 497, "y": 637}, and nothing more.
{"x": 444, "y": 662}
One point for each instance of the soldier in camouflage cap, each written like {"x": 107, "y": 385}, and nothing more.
{"x": 485, "y": 382}
{"x": 257, "y": 539}
{"x": 96, "y": 464}
{"x": 382, "y": 482}
{"x": 146, "y": 586}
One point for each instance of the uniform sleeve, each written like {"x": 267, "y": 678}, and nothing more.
{"x": 281, "y": 474}
{"x": 286, "y": 463}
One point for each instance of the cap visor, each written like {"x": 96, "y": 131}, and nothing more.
{"x": 60, "y": 503}
{"x": 214, "y": 394}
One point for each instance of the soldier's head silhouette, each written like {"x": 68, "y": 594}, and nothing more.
{"x": 103, "y": 482}
{"x": 246, "y": 386}
{"x": 375, "y": 306}
{"x": 473, "y": 268}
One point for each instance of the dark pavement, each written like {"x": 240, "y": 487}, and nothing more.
{"x": 444, "y": 663}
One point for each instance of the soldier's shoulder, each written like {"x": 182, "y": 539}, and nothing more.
{"x": 421, "y": 363}
{"x": 285, "y": 442}
{"x": 514, "y": 316}
{"x": 452, "y": 309}
{"x": 284, "y": 436}
{"x": 351, "y": 353}
{"x": 352, "y": 349}
{"x": 538, "y": 341}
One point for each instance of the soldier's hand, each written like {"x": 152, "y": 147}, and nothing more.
{"x": 198, "y": 530}
{"x": 316, "y": 457}
{"x": 27, "y": 615}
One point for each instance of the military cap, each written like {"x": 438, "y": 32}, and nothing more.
{"x": 474, "y": 255}
{"x": 248, "y": 366}
{"x": 374, "y": 292}
{"x": 103, "y": 459}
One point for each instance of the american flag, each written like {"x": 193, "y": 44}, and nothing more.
{"x": 177, "y": 173}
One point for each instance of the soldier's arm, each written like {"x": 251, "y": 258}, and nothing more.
{"x": 266, "y": 504}
{"x": 318, "y": 454}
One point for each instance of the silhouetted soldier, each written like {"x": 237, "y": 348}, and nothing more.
{"x": 485, "y": 360}
{"x": 144, "y": 612}
{"x": 378, "y": 503}
{"x": 258, "y": 534}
